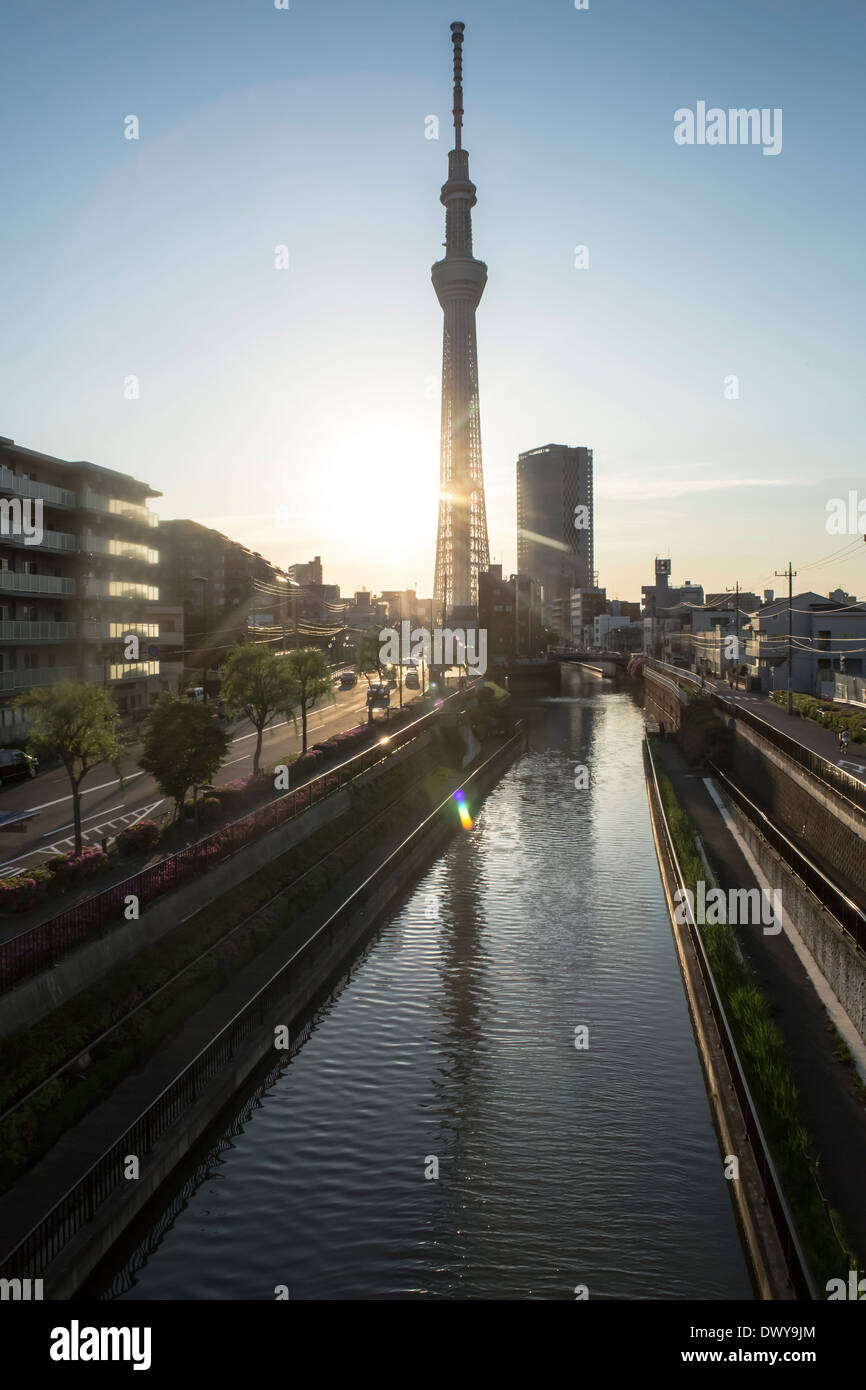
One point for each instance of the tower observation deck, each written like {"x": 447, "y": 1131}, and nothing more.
{"x": 459, "y": 280}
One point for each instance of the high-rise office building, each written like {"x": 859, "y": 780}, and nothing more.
{"x": 459, "y": 280}
{"x": 555, "y": 520}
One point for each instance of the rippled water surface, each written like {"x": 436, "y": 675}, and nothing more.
{"x": 453, "y": 1037}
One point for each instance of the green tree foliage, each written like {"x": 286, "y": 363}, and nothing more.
{"x": 312, "y": 680}
{"x": 259, "y": 684}
{"x": 182, "y": 746}
{"x": 77, "y": 723}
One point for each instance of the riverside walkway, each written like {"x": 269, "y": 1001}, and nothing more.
{"x": 832, "y": 1109}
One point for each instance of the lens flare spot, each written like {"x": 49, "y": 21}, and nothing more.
{"x": 462, "y": 809}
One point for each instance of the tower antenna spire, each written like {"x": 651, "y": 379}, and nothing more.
{"x": 457, "y": 40}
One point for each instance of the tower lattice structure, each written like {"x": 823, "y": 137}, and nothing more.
{"x": 459, "y": 280}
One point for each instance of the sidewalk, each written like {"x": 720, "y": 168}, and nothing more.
{"x": 831, "y": 1108}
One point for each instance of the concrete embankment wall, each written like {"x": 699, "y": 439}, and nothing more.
{"x": 801, "y": 804}
{"x": 843, "y": 964}
{"x": 80, "y": 1256}
{"x": 663, "y": 700}
{"x": 798, "y": 801}
{"x": 34, "y": 998}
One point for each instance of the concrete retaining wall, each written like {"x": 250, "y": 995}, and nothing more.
{"x": 843, "y": 964}
{"x": 34, "y": 998}
{"x": 663, "y": 700}
{"x": 801, "y": 804}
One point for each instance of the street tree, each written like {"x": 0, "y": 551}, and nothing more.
{"x": 369, "y": 656}
{"x": 312, "y": 680}
{"x": 183, "y": 746}
{"x": 77, "y": 723}
{"x": 259, "y": 684}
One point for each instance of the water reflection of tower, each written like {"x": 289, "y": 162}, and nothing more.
{"x": 461, "y": 968}
{"x": 459, "y": 1082}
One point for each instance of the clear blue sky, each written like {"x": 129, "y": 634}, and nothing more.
{"x": 298, "y": 410}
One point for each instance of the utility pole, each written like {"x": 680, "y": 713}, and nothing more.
{"x": 790, "y": 574}
{"x": 736, "y": 592}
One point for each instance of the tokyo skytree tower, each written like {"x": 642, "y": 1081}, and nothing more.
{"x": 459, "y": 280}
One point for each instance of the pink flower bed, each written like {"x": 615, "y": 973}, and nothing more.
{"x": 71, "y": 868}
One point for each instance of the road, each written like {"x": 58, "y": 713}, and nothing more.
{"x": 106, "y": 808}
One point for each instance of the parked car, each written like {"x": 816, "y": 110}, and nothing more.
{"x": 14, "y": 764}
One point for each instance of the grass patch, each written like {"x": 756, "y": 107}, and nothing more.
{"x": 762, "y": 1052}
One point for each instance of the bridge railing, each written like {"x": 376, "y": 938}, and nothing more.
{"x": 820, "y": 767}
{"x": 783, "y": 1221}
{"x": 32, "y": 1255}
{"x": 39, "y": 947}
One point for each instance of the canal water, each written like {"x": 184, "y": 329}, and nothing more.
{"x": 450, "y": 1047}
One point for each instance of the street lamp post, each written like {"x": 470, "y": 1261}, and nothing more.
{"x": 202, "y": 580}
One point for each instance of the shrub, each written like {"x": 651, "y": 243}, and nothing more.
{"x": 20, "y": 892}
{"x": 72, "y": 868}
{"x": 211, "y": 809}
{"x": 143, "y": 835}
{"x": 231, "y": 798}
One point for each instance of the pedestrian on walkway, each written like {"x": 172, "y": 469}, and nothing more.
{"x": 661, "y": 731}
{"x": 844, "y": 739}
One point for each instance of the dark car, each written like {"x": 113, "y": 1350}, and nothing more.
{"x": 378, "y": 697}
{"x": 14, "y": 764}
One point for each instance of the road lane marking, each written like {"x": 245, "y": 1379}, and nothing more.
{"x": 84, "y": 821}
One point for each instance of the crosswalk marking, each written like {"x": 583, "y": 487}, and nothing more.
{"x": 130, "y": 818}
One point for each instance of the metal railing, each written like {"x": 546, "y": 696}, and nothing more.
{"x": 35, "y": 630}
{"x": 846, "y": 912}
{"x": 29, "y": 677}
{"x": 36, "y": 583}
{"x": 26, "y": 487}
{"x": 783, "y": 1221}
{"x": 36, "y": 949}
{"x": 121, "y": 588}
{"x": 32, "y": 1255}
{"x": 820, "y": 767}
{"x": 49, "y": 540}
{"x": 115, "y": 506}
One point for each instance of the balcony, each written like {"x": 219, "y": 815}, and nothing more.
{"x": 116, "y": 506}
{"x": 12, "y": 581}
{"x": 51, "y": 540}
{"x": 20, "y": 630}
{"x": 120, "y": 588}
{"x": 93, "y": 631}
{"x": 37, "y": 675}
{"x": 125, "y": 550}
{"x": 25, "y": 487}
{"x": 121, "y": 671}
